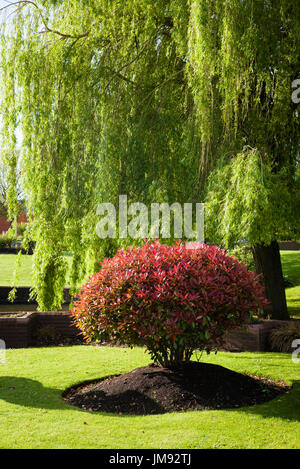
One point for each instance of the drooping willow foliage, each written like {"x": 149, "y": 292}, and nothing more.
{"x": 243, "y": 59}
{"x": 98, "y": 93}
{"x": 142, "y": 98}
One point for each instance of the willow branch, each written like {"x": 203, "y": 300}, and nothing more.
{"x": 47, "y": 28}
{"x": 122, "y": 77}
{"x": 170, "y": 78}
{"x": 118, "y": 72}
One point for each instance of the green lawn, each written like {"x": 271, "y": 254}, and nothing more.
{"x": 291, "y": 268}
{"x": 7, "y": 268}
{"x": 33, "y": 414}
{"x": 290, "y": 263}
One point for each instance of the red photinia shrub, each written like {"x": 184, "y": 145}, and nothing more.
{"x": 172, "y": 299}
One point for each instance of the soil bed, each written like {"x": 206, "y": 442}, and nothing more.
{"x": 12, "y": 315}
{"x": 155, "y": 390}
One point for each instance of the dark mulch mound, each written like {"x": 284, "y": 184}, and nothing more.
{"x": 156, "y": 390}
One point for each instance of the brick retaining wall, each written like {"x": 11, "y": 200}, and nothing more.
{"x": 15, "y": 332}
{"x": 18, "y": 332}
{"x": 254, "y": 339}
{"x": 289, "y": 246}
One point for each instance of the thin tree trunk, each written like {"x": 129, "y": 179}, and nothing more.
{"x": 268, "y": 262}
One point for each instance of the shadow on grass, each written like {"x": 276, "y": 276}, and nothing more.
{"x": 286, "y": 406}
{"x": 30, "y": 393}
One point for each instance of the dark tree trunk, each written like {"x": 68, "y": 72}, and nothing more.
{"x": 268, "y": 262}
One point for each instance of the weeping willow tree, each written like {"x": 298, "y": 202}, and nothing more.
{"x": 243, "y": 59}
{"x": 157, "y": 100}
{"x": 95, "y": 97}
